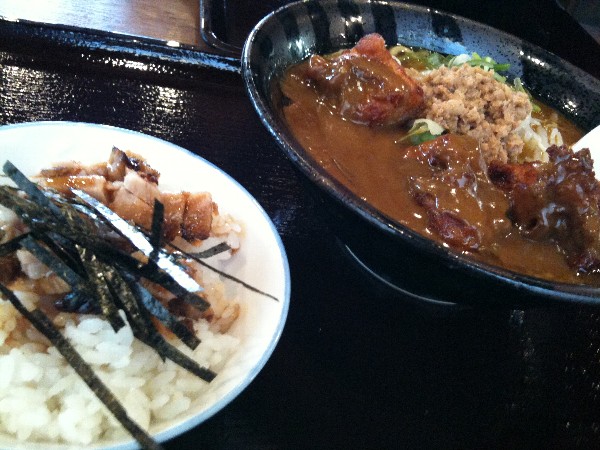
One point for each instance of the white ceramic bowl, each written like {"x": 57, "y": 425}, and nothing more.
{"x": 261, "y": 262}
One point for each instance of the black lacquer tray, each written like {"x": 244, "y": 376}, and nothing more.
{"x": 358, "y": 365}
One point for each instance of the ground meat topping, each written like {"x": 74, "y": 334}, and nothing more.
{"x": 468, "y": 100}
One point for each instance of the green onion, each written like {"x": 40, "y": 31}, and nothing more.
{"x": 518, "y": 86}
{"x": 434, "y": 60}
{"x": 423, "y": 130}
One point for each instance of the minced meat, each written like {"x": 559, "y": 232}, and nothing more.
{"x": 468, "y": 100}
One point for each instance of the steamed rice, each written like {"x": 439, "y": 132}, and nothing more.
{"x": 42, "y": 399}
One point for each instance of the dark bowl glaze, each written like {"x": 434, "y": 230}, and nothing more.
{"x": 399, "y": 256}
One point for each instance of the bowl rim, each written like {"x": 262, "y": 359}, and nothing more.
{"x": 561, "y": 291}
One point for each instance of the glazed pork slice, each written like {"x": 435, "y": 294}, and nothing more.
{"x": 132, "y": 208}
{"x": 174, "y": 210}
{"x": 120, "y": 163}
{"x": 197, "y": 220}
{"x": 128, "y": 185}
{"x": 94, "y": 185}
{"x": 145, "y": 190}
{"x": 188, "y": 215}
{"x": 367, "y": 85}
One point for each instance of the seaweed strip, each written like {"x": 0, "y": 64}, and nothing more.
{"x": 85, "y": 231}
{"x": 45, "y": 326}
{"x": 13, "y": 245}
{"x": 29, "y": 187}
{"x": 214, "y": 251}
{"x": 76, "y": 301}
{"x": 121, "y": 225}
{"x": 63, "y": 248}
{"x": 166, "y": 350}
{"x": 84, "y": 227}
{"x": 75, "y": 208}
{"x": 158, "y": 216}
{"x": 30, "y": 212}
{"x": 145, "y": 331}
{"x": 68, "y": 224}
{"x": 128, "y": 302}
{"x": 53, "y": 262}
{"x": 154, "y": 273}
{"x": 80, "y": 294}
{"x": 157, "y": 309}
{"x": 95, "y": 272}
{"x": 226, "y": 275}
{"x": 237, "y": 280}
{"x": 138, "y": 239}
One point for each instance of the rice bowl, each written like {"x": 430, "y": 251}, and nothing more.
{"x": 249, "y": 342}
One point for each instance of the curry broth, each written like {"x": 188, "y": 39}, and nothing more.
{"x": 374, "y": 164}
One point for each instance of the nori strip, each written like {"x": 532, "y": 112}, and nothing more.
{"x": 64, "y": 249}
{"x": 153, "y": 272}
{"x": 212, "y": 251}
{"x": 30, "y": 212}
{"x": 138, "y": 239}
{"x": 77, "y": 302}
{"x": 53, "y": 262}
{"x": 96, "y": 278}
{"x": 232, "y": 278}
{"x": 13, "y": 245}
{"x": 166, "y": 350}
{"x": 81, "y": 294}
{"x": 139, "y": 320}
{"x": 127, "y": 302}
{"x": 221, "y": 247}
{"x": 158, "y": 310}
{"x": 70, "y": 224}
{"x": 158, "y": 216}
{"x": 39, "y": 320}
{"x": 29, "y": 187}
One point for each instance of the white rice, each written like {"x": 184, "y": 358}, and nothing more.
{"x": 43, "y": 400}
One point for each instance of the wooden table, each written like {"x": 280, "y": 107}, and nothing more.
{"x": 357, "y": 366}
{"x": 176, "y": 20}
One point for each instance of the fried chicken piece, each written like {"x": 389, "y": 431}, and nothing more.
{"x": 453, "y": 230}
{"x": 508, "y": 175}
{"x": 451, "y": 185}
{"x": 561, "y": 204}
{"x": 367, "y": 85}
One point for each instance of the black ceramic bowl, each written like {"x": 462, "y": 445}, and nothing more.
{"x": 396, "y": 254}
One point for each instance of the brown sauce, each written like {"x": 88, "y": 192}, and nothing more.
{"x": 371, "y": 162}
